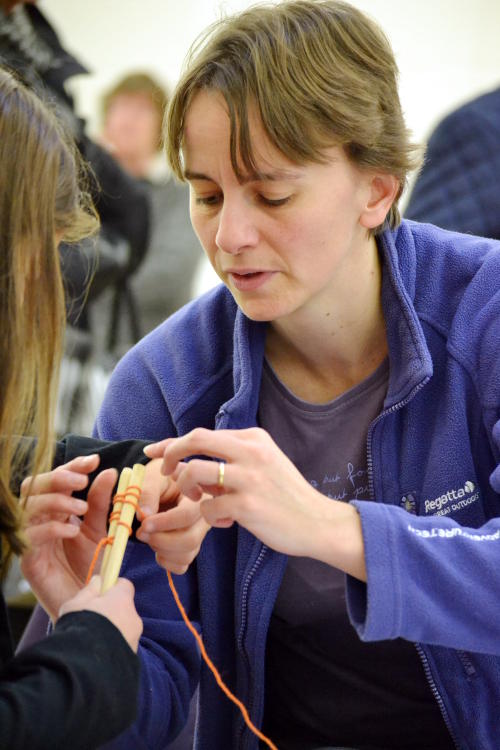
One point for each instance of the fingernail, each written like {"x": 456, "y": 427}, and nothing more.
{"x": 143, "y": 537}
{"x": 79, "y": 506}
{"x": 148, "y": 528}
{"x": 88, "y": 459}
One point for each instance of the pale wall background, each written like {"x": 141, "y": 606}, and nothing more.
{"x": 447, "y": 50}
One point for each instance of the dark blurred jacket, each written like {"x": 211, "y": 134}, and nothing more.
{"x": 459, "y": 185}
{"x": 30, "y": 45}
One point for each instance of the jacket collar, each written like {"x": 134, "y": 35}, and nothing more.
{"x": 409, "y": 356}
{"x": 249, "y": 340}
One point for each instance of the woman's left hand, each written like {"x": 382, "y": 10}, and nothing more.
{"x": 259, "y": 488}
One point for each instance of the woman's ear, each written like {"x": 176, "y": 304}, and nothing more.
{"x": 383, "y": 191}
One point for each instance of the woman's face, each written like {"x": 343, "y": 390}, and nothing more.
{"x": 285, "y": 240}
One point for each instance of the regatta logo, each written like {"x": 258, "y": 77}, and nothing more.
{"x": 452, "y": 500}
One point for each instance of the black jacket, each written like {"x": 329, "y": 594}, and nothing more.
{"x": 76, "y": 688}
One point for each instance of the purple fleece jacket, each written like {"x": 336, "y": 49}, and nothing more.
{"x": 431, "y": 577}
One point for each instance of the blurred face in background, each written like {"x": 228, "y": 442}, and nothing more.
{"x": 8, "y": 5}
{"x": 132, "y": 131}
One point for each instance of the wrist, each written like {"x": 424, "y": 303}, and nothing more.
{"x": 339, "y": 540}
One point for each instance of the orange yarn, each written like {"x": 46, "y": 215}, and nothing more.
{"x": 214, "y": 669}
{"x": 114, "y": 516}
{"x": 109, "y": 540}
{"x": 103, "y": 542}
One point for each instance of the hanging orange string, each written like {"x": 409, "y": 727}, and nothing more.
{"x": 214, "y": 669}
{"x": 136, "y": 491}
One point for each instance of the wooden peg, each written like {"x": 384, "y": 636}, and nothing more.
{"x": 127, "y": 514}
{"x": 123, "y": 483}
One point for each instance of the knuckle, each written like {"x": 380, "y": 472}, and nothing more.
{"x": 247, "y": 504}
{"x": 199, "y": 433}
{"x": 260, "y": 434}
{"x": 258, "y": 431}
{"x": 192, "y": 538}
{"x": 188, "y": 471}
{"x": 25, "y": 486}
{"x": 253, "y": 477}
{"x": 261, "y": 454}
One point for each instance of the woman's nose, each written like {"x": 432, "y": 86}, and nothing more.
{"x": 237, "y": 230}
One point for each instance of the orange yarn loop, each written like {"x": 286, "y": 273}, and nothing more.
{"x": 114, "y": 516}
{"x": 135, "y": 491}
{"x": 214, "y": 669}
{"x": 102, "y": 543}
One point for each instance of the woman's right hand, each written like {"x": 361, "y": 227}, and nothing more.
{"x": 242, "y": 476}
{"x": 117, "y": 604}
{"x": 173, "y": 526}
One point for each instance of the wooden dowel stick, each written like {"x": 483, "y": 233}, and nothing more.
{"x": 121, "y": 534}
{"x": 123, "y": 483}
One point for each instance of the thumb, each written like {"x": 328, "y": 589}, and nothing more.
{"x": 84, "y": 596}
{"x": 99, "y": 501}
{"x": 91, "y": 590}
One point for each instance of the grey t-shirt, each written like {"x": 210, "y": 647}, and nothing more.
{"x": 323, "y": 685}
{"x": 326, "y": 442}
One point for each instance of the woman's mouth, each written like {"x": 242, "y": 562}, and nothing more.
{"x": 248, "y": 281}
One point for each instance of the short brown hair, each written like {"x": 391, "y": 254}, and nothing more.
{"x": 320, "y": 72}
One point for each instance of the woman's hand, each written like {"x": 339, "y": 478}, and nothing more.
{"x": 62, "y": 531}
{"x": 263, "y": 491}
{"x": 174, "y": 526}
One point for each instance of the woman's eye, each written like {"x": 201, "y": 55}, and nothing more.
{"x": 207, "y": 200}
{"x": 274, "y": 201}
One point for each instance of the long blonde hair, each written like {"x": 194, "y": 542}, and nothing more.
{"x": 40, "y": 203}
{"x": 320, "y": 72}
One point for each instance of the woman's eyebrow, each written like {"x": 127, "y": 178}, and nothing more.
{"x": 188, "y": 175}
{"x": 275, "y": 176}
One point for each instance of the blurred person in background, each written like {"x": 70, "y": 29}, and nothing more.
{"x": 458, "y": 187}
{"x": 29, "y": 44}
{"x": 132, "y": 113}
